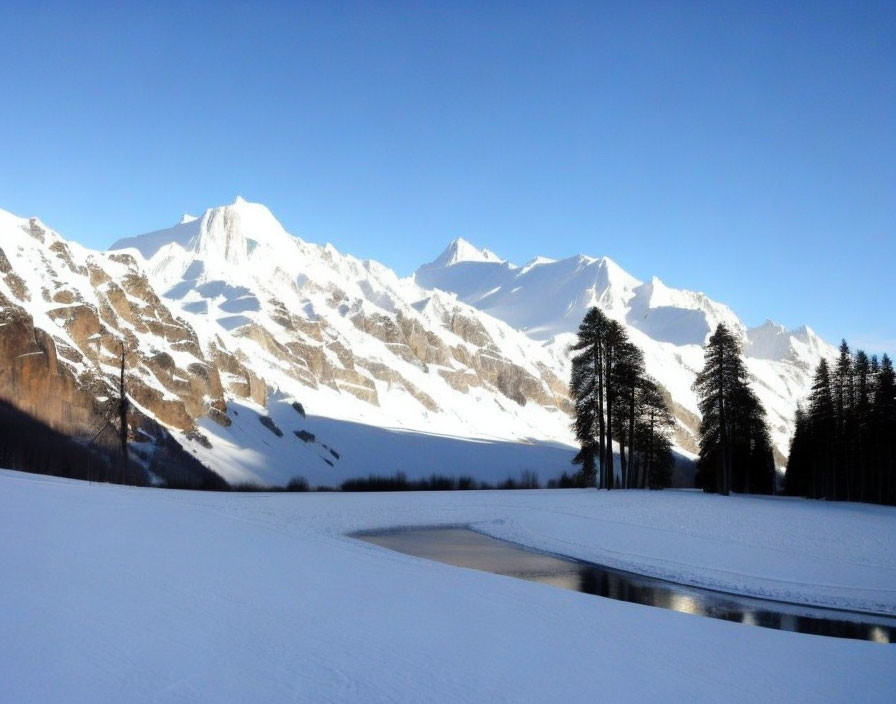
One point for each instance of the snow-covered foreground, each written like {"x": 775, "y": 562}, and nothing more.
{"x": 121, "y": 594}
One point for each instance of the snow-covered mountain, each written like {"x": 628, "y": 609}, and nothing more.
{"x": 361, "y": 350}
{"x": 66, "y": 313}
{"x": 267, "y": 357}
{"x": 547, "y": 299}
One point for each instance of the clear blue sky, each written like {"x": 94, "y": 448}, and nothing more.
{"x": 748, "y": 151}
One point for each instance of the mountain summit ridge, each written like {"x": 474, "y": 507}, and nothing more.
{"x": 461, "y": 250}
{"x": 653, "y": 294}
{"x": 471, "y": 346}
{"x": 544, "y": 300}
{"x": 548, "y": 298}
{"x": 227, "y": 229}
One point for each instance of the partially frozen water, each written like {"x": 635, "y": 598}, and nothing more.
{"x": 465, "y": 548}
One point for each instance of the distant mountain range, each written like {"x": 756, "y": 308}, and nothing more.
{"x": 547, "y": 299}
{"x": 268, "y": 357}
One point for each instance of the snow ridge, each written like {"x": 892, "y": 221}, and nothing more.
{"x": 548, "y": 298}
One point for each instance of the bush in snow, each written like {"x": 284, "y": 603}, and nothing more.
{"x": 269, "y": 423}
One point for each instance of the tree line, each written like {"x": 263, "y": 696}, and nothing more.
{"x": 616, "y": 401}
{"x": 844, "y": 446}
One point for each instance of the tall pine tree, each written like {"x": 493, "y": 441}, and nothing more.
{"x": 653, "y": 460}
{"x": 822, "y": 419}
{"x": 735, "y": 450}
{"x": 613, "y": 398}
{"x": 586, "y": 389}
{"x": 798, "y": 478}
{"x": 843, "y": 425}
{"x": 861, "y": 425}
{"x": 884, "y": 433}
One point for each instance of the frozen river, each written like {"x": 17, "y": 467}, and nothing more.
{"x": 463, "y": 547}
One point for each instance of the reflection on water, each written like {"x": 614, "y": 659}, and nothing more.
{"x": 682, "y": 602}
{"x": 880, "y": 635}
{"x": 465, "y": 548}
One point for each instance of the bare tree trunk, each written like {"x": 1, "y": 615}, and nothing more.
{"x": 123, "y": 423}
{"x": 650, "y": 452}
{"x": 623, "y": 463}
{"x": 720, "y": 465}
{"x": 611, "y": 398}
{"x": 600, "y": 414}
{"x": 610, "y": 459}
{"x": 631, "y": 425}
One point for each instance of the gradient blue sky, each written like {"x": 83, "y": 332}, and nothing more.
{"x": 746, "y": 150}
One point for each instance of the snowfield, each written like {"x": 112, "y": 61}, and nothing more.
{"x": 124, "y": 594}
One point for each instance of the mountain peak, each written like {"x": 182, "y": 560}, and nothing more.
{"x": 771, "y": 326}
{"x": 774, "y": 341}
{"x": 460, "y": 250}
{"x": 228, "y": 231}
{"x": 804, "y": 332}
{"x": 252, "y": 220}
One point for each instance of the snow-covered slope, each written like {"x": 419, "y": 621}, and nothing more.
{"x": 353, "y": 343}
{"x": 548, "y": 298}
{"x": 112, "y": 593}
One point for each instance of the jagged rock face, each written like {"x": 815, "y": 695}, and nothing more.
{"x": 13, "y": 281}
{"x": 61, "y": 351}
{"x": 32, "y": 377}
{"x": 235, "y": 378}
{"x": 468, "y": 329}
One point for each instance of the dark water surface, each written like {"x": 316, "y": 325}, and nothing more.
{"x": 465, "y": 548}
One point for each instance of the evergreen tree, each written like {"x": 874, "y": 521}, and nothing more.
{"x": 586, "y": 389}
{"x": 875, "y": 454}
{"x": 613, "y": 398}
{"x": 603, "y": 350}
{"x": 735, "y": 446}
{"x": 842, "y": 475}
{"x": 844, "y": 446}
{"x": 823, "y": 425}
{"x": 861, "y": 426}
{"x": 884, "y": 433}
{"x": 615, "y": 350}
{"x": 798, "y": 478}
{"x": 628, "y": 376}
{"x": 754, "y": 464}
{"x": 715, "y": 384}
{"x": 654, "y": 456}
{"x": 659, "y": 475}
